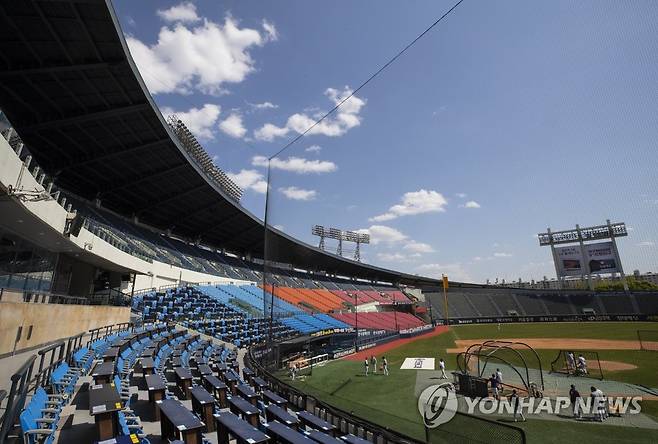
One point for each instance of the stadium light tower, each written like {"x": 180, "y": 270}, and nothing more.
{"x": 340, "y": 235}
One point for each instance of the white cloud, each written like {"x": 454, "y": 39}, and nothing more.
{"x": 185, "y": 12}
{"x": 264, "y": 105}
{"x": 454, "y": 271}
{"x": 460, "y": 195}
{"x": 313, "y": 149}
{"x": 502, "y": 254}
{"x": 249, "y": 180}
{"x": 415, "y": 202}
{"x": 203, "y": 57}
{"x": 344, "y": 119}
{"x": 233, "y": 126}
{"x": 295, "y": 193}
{"x": 271, "y": 33}
{"x": 392, "y": 257}
{"x": 419, "y": 247}
{"x": 471, "y": 204}
{"x": 646, "y": 244}
{"x": 270, "y": 132}
{"x": 200, "y": 121}
{"x": 383, "y": 234}
{"x": 296, "y": 165}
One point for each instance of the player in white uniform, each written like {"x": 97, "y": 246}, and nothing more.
{"x": 365, "y": 363}
{"x": 442, "y": 367}
{"x": 571, "y": 361}
{"x": 582, "y": 364}
{"x": 598, "y": 404}
{"x": 373, "y": 362}
{"x": 385, "y": 364}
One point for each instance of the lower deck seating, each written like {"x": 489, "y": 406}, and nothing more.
{"x": 380, "y": 320}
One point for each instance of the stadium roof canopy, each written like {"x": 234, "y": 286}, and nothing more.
{"x": 70, "y": 88}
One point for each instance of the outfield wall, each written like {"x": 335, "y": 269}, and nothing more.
{"x": 568, "y": 318}
{"x": 50, "y": 322}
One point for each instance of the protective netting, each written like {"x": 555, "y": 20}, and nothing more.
{"x": 468, "y": 429}
{"x": 578, "y": 363}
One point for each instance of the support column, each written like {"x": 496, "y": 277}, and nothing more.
{"x": 588, "y": 272}
{"x": 615, "y": 251}
{"x": 555, "y": 259}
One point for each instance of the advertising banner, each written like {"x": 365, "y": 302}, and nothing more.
{"x": 599, "y": 256}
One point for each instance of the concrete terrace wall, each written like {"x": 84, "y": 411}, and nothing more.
{"x": 52, "y": 322}
{"x": 53, "y": 216}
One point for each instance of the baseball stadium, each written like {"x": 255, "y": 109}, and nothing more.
{"x": 318, "y": 287}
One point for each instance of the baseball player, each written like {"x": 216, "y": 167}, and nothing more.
{"x": 494, "y": 386}
{"x": 385, "y": 364}
{"x": 582, "y": 364}
{"x": 571, "y": 361}
{"x": 442, "y": 367}
{"x": 574, "y": 397}
{"x": 365, "y": 364}
{"x": 598, "y": 404}
{"x": 514, "y": 400}
{"x": 373, "y": 363}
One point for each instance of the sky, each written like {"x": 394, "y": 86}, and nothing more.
{"x": 505, "y": 119}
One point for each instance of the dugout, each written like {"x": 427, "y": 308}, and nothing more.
{"x": 307, "y": 346}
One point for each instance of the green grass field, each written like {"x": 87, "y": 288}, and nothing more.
{"x": 390, "y": 401}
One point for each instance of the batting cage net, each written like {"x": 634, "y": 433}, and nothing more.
{"x": 518, "y": 363}
{"x": 578, "y": 363}
{"x": 648, "y": 339}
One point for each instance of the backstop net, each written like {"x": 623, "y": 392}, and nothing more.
{"x": 648, "y": 339}
{"x": 578, "y": 363}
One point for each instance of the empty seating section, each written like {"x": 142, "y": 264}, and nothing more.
{"x": 585, "y": 300}
{"x": 209, "y": 310}
{"x": 647, "y": 302}
{"x": 617, "y": 303}
{"x": 476, "y": 302}
{"x": 505, "y": 302}
{"x": 306, "y": 324}
{"x": 159, "y": 366}
{"x": 40, "y": 416}
{"x": 280, "y": 306}
{"x": 531, "y": 303}
{"x": 483, "y": 303}
{"x": 380, "y": 320}
{"x": 461, "y": 307}
{"x": 558, "y": 304}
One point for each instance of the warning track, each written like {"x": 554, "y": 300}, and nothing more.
{"x": 381, "y": 349}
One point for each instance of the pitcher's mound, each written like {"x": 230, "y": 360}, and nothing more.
{"x": 617, "y": 366}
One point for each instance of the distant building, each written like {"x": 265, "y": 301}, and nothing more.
{"x": 646, "y": 277}
{"x": 572, "y": 284}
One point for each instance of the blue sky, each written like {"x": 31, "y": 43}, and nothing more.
{"x": 507, "y": 118}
